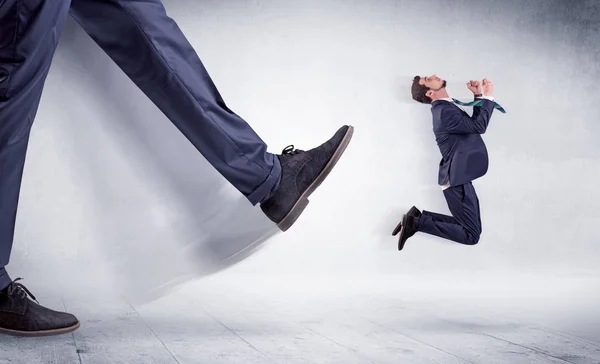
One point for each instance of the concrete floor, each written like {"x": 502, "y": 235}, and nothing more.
{"x": 214, "y": 322}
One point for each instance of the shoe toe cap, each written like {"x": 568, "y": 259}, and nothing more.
{"x": 68, "y": 320}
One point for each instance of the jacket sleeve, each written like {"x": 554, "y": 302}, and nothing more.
{"x": 476, "y": 110}
{"x": 457, "y": 122}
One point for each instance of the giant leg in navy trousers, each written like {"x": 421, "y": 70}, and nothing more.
{"x": 151, "y": 49}
{"x": 464, "y": 226}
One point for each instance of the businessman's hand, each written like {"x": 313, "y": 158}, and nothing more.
{"x": 488, "y": 87}
{"x": 474, "y": 87}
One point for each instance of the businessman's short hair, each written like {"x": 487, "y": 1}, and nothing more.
{"x": 419, "y": 91}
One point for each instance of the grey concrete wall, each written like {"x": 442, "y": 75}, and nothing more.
{"x": 114, "y": 193}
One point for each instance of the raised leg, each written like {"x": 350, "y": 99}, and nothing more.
{"x": 151, "y": 49}
{"x": 154, "y": 53}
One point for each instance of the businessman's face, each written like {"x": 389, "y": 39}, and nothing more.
{"x": 433, "y": 82}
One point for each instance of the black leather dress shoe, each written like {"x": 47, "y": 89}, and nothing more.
{"x": 21, "y": 316}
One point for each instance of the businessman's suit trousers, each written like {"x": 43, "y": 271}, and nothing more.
{"x": 151, "y": 49}
{"x": 464, "y": 226}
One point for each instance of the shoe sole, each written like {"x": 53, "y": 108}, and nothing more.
{"x": 62, "y": 331}
{"x": 402, "y": 232}
{"x": 302, "y": 202}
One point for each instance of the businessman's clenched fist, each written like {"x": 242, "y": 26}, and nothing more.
{"x": 488, "y": 87}
{"x": 474, "y": 87}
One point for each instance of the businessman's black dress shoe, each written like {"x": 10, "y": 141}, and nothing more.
{"x": 412, "y": 212}
{"x": 408, "y": 229}
{"x": 20, "y": 316}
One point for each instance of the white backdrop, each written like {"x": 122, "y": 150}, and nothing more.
{"x": 114, "y": 195}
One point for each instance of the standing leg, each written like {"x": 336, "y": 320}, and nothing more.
{"x": 464, "y": 226}
{"x": 29, "y": 33}
{"x": 151, "y": 49}
{"x": 12, "y": 162}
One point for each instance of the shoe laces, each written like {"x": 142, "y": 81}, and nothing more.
{"x": 290, "y": 150}
{"x": 19, "y": 290}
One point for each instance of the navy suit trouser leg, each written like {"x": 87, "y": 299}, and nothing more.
{"x": 151, "y": 49}
{"x": 464, "y": 226}
{"x": 29, "y": 34}
{"x": 154, "y": 53}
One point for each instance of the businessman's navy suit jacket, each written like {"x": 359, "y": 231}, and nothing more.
{"x": 458, "y": 135}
